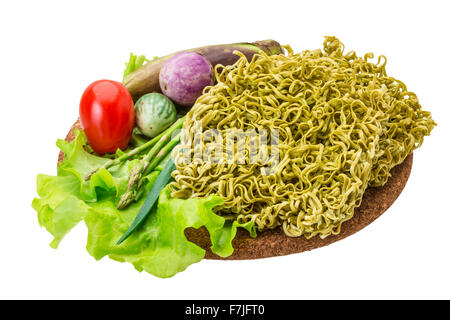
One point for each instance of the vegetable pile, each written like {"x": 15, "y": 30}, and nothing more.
{"x": 341, "y": 125}
{"x": 115, "y": 172}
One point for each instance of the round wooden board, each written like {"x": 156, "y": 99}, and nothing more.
{"x": 273, "y": 243}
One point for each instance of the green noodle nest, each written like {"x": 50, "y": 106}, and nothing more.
{"x": 343, "y": 124}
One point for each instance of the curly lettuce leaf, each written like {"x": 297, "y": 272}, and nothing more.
{"x": 160, "y": 246}
{"x": 59, "y": 208}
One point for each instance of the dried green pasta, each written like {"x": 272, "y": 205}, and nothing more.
{"x": 342, "y": 125}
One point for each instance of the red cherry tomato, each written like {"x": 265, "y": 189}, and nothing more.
{"x": 107, "y": 115}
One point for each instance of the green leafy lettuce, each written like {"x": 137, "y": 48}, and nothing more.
{"x": 134, "y": 63}
{"x": 159, "y": 247}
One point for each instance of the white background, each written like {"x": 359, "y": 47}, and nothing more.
{"x": 51, "y": 50}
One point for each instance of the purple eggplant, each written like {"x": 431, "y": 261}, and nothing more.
{"x": 184, "y": 76}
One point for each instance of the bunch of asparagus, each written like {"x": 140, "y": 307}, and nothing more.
{"x": 157, "y": 149}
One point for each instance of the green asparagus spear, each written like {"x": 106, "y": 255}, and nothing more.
{"x": 160, "y": 165}
{"x": 135, "y": 151}
{"x": 148, "y": 163}
{"x": 161, "y": 155}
